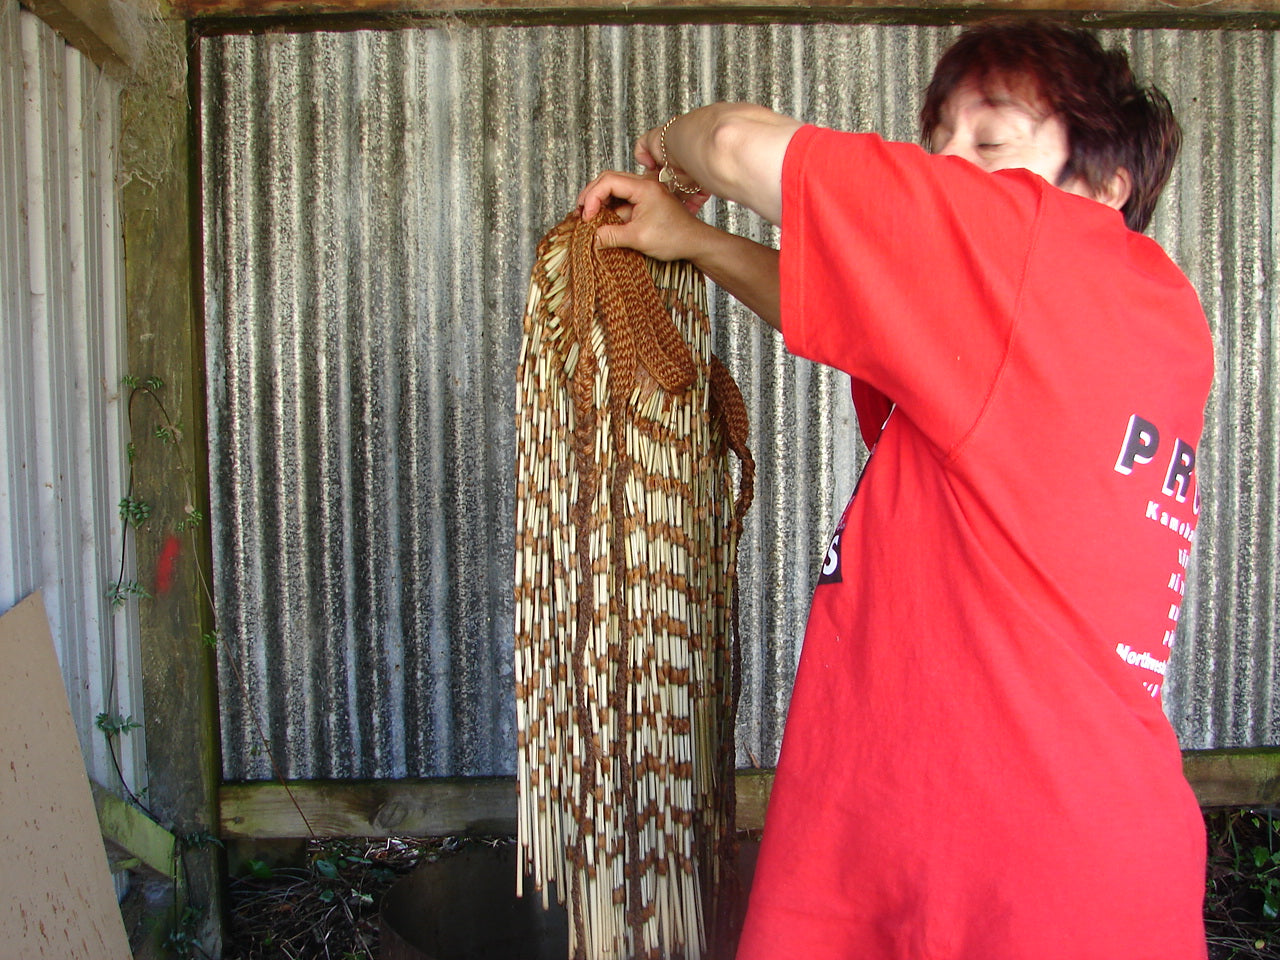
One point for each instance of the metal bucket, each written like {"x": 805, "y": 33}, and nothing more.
{"x": 464, "y": 907}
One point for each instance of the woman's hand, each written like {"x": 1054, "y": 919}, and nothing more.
{"x": 655, "y": 222}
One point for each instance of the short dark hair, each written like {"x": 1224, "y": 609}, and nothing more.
{"x": 1111, "y": 120}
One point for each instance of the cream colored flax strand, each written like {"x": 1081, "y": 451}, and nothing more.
{"x": 627, "y": 524}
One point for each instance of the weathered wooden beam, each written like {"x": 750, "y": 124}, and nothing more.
{"x": 1179, "y": 12}
{"x": 405, "y": 808}
{"x": 161, "y": 264}
{"x": 115, "y": 36}
{"x": 374, "y": 808}
{"x": 1234, "y": 778}
{"x": 424, "y": 808}
{"x": 132, "y": 838}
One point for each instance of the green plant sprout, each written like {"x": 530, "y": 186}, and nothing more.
{"x": 1267, "y": 861}
{"x": 182, "y": 940}
{"x": 193, "y": 519}
{"x": 134, "y": 512}
{"x": 122, "y": 590}
{"x": 1242, "y": 895}
{"x": 112, "y": 724}
{"x": 169, "y": 433}
{"x": 200, "y": 840}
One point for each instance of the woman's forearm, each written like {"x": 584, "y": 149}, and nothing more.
{"x": 732, "y": 150}
{"x": 747, "y": 270}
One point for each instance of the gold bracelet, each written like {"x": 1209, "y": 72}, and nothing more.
{"x": 668, "y": 175}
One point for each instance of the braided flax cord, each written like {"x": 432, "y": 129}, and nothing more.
{"x": 626, "y": 664}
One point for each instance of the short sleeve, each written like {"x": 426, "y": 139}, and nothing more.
{"x": 904, "y": 270}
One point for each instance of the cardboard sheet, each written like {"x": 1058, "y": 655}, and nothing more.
{"x": 56, "y": 897}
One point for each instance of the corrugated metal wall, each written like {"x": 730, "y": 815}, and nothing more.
{"x": 372, "y": 202}
{"x": 62, "y": 434}
{"x": 1219, "y": 222}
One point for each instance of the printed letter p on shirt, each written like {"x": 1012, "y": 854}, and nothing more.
{"x": 1140, "y": 442}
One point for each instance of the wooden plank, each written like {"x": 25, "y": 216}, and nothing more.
{"x": 130, "y": 835}
{"x": 1234, "y": 778}
{"x": 406, "y": 808}
{"x": 370, "y": 808}
{"x": 426, "y": 808}
{"x": 112, "y": 35}
{"x": 1207, "y": 12}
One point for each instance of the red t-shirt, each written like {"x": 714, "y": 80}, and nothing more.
{"x": 976, "y": 764}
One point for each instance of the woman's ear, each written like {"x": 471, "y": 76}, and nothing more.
{"x": 1114, "y": 193}
{"x": 1117, "y": 190}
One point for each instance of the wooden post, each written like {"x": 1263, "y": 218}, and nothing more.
{"x": 164, "y": 341}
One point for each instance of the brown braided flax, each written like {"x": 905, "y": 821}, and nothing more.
{"x": 627, "y": 522}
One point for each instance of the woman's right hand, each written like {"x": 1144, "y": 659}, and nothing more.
{"x": 655, "y": 222}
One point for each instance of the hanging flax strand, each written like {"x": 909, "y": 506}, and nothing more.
{"x": 626, "y": 653}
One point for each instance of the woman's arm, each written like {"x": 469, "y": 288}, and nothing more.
{"x": 658, "y": 224}
{"x": 730, "y": 150}
{"x": 747, "y": 270}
